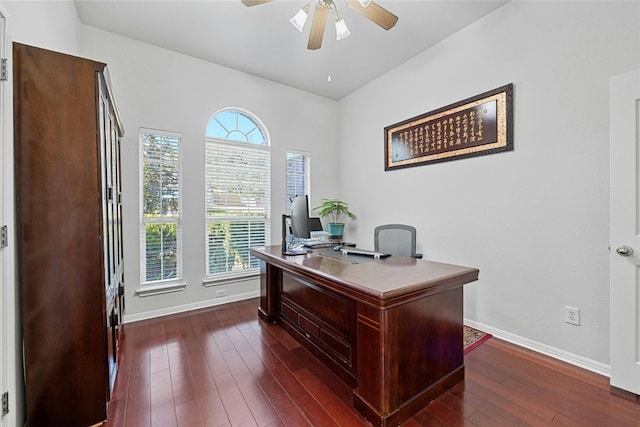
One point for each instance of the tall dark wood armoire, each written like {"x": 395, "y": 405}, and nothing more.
{"x": 69, "y": 249}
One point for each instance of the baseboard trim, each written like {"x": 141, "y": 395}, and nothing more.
{"x": 556, "y": 353}
{"x": 129, "y": 318}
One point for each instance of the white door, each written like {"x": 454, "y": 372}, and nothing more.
{"x": 625, "y": 231}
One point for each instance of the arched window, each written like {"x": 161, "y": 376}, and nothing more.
{"x": 237, "y": 192}
{"x": 234, "y": 125}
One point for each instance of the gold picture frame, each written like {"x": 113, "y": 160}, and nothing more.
{"x": 473, "y": 127}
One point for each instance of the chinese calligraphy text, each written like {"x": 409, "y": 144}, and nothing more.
{"x": 475, "y": 126}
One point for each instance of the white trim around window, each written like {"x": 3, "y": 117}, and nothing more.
{"x": 160, "y": 212}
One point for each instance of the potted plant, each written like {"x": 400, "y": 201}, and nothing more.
{"x": 334, "y": 208}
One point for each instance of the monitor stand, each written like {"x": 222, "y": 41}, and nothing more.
{"x": 293, "y": 252}
{"x": 286, "y": 250}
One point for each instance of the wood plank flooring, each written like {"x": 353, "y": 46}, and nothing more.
{"x": 221, "y": 366}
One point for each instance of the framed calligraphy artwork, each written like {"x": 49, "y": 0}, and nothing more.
{"x": 473, "y": 127}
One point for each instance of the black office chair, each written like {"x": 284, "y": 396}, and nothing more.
{"x": 396, "y": 239}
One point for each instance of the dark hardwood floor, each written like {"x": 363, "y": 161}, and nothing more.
{"x": 222, "y": 367}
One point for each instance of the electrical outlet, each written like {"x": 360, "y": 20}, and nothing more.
{"x": 220, "y": 293}
{"x": 572, "y": 315}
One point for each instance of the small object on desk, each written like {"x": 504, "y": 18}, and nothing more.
{"x": 337, "y": 248}
{"x": 311, "y": 243}
{"x": 295, "y": 251}
{"x": 354, "y": 251}
{"x": 320, "y": 235}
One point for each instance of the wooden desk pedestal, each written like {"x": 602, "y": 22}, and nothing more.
{"x": 391, "y": 328}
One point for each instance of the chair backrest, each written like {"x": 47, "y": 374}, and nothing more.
{"x": 395, "y": 239}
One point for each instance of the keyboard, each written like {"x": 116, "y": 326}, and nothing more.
{"x": 355, "y": 251}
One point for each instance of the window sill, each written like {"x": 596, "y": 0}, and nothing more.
{"x": 148, "y": 291}
{"x": 229, "y": 279}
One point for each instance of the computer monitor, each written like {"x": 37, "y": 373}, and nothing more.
{"x": 315, "y": 224}
{"x": 299, "y": 217}
{"x": 298, "y": 221}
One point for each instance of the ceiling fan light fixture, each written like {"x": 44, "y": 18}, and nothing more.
{"x": 300, "y": 18}
{"x": 364, "y": 3}
{"x": 342, "y": 32}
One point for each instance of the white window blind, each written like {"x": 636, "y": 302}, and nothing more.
{"x": 161, "y": 206}
{"x": 237, "y": 201}
{"x": 298, "y": 175}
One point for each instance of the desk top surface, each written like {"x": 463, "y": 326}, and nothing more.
{"x": 385, "y": 279}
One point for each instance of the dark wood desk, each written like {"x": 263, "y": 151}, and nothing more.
{"x": 391, "y": 328}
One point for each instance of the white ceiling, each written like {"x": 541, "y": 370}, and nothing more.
{"x": 259, "y": 40}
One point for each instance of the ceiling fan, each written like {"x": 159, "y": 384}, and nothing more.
{"x": 367, "y": 8}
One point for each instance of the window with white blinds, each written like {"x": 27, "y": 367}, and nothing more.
{"x": 238, "y": 193}
{"x": 160, "y": 206}
{"x": 298, "y": 175}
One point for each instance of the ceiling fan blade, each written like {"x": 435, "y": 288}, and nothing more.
{"x": 375, "y": 13}
{"x": 317, "y": 27}
{"x": 250, "y": 3}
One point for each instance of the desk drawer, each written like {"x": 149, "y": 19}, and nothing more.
{"x": 331, "y": 308}
{"x": 320, "y": 316}
{"x": 309, "y": 326}
{"x": 338, "y": 344}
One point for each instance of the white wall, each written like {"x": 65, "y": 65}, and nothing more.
{"x": 160, "y": 89}
{"x": 51, "y": 25}
{"x": 535, "y": 220}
